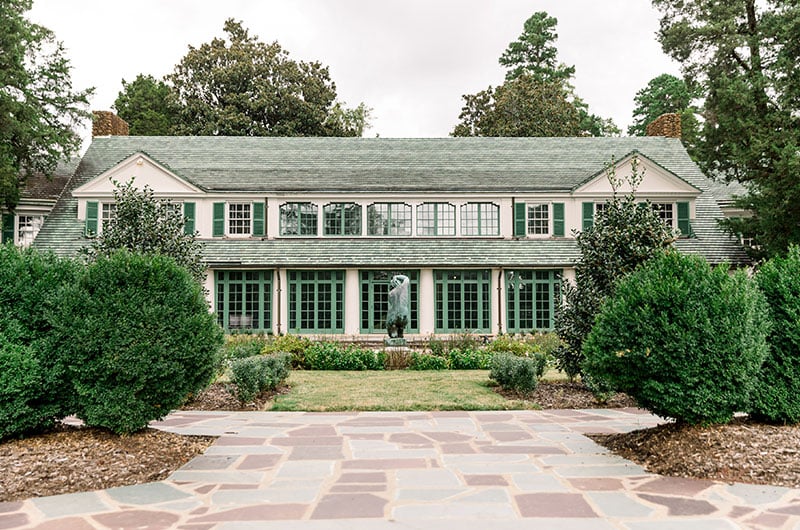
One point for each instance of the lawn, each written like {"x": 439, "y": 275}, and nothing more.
{"x": 393, "y": 390}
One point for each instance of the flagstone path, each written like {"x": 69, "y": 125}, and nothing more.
{"x": 412, "y": 470}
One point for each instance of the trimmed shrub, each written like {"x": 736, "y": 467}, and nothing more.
{"x": 520, "y": 374}
{"x": 426, "y": 361}
{"x": 684, "y": 340}
{"x": 335, "y": 356}
{"x": 137, "y": 339}
{"x": 776, "y": 398}
{"x": 21, "y": 388}
{"x": 468, "y": 359}
{"x": 251, "y": 376}
{"x": 294, "y": 344}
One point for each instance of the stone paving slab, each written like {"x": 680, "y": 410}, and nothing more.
{"x": 412, "y": 470}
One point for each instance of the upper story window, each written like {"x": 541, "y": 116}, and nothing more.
{"x": 298, "y": 219}
{"x": 239, "y": 218}
{"x": 480, "y": 219}
{"x": 538, "y": 219}
{"x": 389, "y": 219}
{"x": 665, "y": 212}
{"x": 342, "y": 219}
{"x": 108, "y": 212}
{"x": 28, "y": 227}
{"x": 232, "y": 219}
{"x": 436, "y": 219}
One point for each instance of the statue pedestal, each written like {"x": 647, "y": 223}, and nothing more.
{"x": 396, "y": 342}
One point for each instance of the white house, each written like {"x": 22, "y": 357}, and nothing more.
{"x": 303, "y": 234}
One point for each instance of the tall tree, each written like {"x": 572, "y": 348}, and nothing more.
{"x": 39, "y": 109}
{"x": 240, "y": 86}
{"x": 537, "y": 98}
{"x": 666, "y": 94}
{"x": 745, "y": 55}
{"x": 148, "y": 106}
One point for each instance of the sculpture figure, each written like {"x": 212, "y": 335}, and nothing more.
{"x": 399, "y": 313}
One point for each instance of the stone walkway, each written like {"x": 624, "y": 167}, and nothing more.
{"x": 412, "y": 470}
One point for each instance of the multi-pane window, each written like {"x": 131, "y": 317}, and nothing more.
{"x": 462, "y": 301}
{"x": 531, "y": 299}
{"x": 389, "y": 219}
{"x": 316, "y": 301}
{"x": 27, "y": 228}
{"x": 244, "y": 299}
{"x": 436, "y": 219}
{"x": 480, "y": 219}
{"x": 665, "y": 212}
{"x": 375, "y": 300}
{"x": 239, "y": 218}
{"x": 342, "y": 219}
{"x": 538, "y": 219}
{"x": 298, "y": 219}
{"x": 108, "y": 212}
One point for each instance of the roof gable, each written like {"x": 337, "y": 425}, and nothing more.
{"x": 656, "y": 180}
{"x": 142, "y": 169}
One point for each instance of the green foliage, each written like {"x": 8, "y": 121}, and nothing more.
{"x": 426, "y": 361}
{"x": 684, "y": 340}
{"x": 464, "y": 341}
{"x": 145, "y": 224}
{"x": 39, "y": 109}
{"x": 777, "y": 396}
{"x": 624, "y": 235}
{"x": 146, "y": 104}
{"x": 335, "y": 356}
{"x": 240, "y": 86}
{"x": 519, "y": 374}
{"x": 666, "y": 94}
{"x": 251, "y": 376}
{"x": 534, "y": 52}
{"x": 136, "y": 338}
{"x": 241, "y": 346}
{"x": 25, "y": 405}
{"x": 293, "y": 344}
{"x": 745, "y": 59}
{"x": 468, "y": 359}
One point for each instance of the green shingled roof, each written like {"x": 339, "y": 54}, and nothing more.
{"x": 351, "y": 165}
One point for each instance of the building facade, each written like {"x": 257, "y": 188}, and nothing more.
{"x": 302, "y": 235}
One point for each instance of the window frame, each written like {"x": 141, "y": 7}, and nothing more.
{"x": 303, "y": 219}
{"x": 544, "y": 286}
{"x": 660, "y": 208}
{"x": 19, "y": 238}
{"x": 300, "y": 308}
{"x": 532, "y": 221}
{"x": 454, "y": 318}
{"x": 262, "y": 280}
{"x": 229, "y": 219}
{"x": 391, "y": 223}
{"x": 436, "y": 222}
{"x": 339, "y": 219}
{"x": 372, "y": 283}
{"x": 480, "y": 219}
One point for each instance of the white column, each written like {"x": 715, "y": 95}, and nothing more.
{"x": 352, "y": 302}
{"x": 280, "y": 297}
{"x": 427, "y": 303}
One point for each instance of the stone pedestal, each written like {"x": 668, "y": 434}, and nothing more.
{"x": 395, "y": 342}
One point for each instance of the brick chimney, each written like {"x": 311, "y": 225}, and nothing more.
{"x": 668, "y": 125}
{"x": 106, "y": 123}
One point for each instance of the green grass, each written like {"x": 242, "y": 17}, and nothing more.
{"x": 393, "y": 390}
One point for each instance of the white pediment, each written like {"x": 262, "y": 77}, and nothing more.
{"x": 656, "y": 180}
{"x": 144, "y": 171}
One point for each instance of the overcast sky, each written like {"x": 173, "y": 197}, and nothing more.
{"x": 410, "y": 60}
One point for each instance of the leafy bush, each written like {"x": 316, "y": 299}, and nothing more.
{"x": 294, "y": 344}
{"x": 252, "y": 375}
{"x": 335, "y": 356}
{"x": 21, "y": 389}
{"x": 468, "y": 359}
{"x": 240, "y": 346}
{"x": 137, "y": 338}
{"x": 441, "y": 346}
{"x": 776, "y": 398}
{"x": 685, "y": 340}
{"x": 426, "y": 361}
{"x": 520, "y": 374}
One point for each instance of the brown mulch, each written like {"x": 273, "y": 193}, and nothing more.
{"x": 74, "y": 459}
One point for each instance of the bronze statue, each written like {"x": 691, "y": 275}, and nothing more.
{"x": 399, "y": 313}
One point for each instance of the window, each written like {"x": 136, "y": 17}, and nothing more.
{"x": 239, "y": 218}
{"x": 342, "y": 219}
{"x": 375, "y": 300}
{"x": 244, "y": 300}
{"x": 389, "y": 219}
{"x": 298, "y": 219}
{"x": 531, "y": 299}
{"x": 436, "y": 219}
{"x": 108, "y": 212}
{"x": 480, "y": 219}
{"x": 27, "y": 228}
{"x": 538, "y": 219}
{"x": 462, "y": 301}
{"x": 316, "y": 301}
{"x": 665, "y": 212}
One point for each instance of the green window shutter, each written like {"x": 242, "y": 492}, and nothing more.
{"x": 188, "y": 218}
{"x": 588, "y": 215}
{"x": 91, "y": 218}
{"x": 258, "y": 219}
{"x": 558, "y": 219}
{"x": 520, "y": 219}
{"x": 683, "y": 219}
{"x": 7, "y": 235}
{"x": 218, "y": 229}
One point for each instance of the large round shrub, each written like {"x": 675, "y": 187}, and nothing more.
{"x": 33, "y": 391}
{"x": 685, "y": 340}
{"x": 777, "y": 396}
{"x": 139, "y": 338}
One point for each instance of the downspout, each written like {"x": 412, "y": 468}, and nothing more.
{"x": 278, "y": 298}
{"x": 500, "y": 302}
